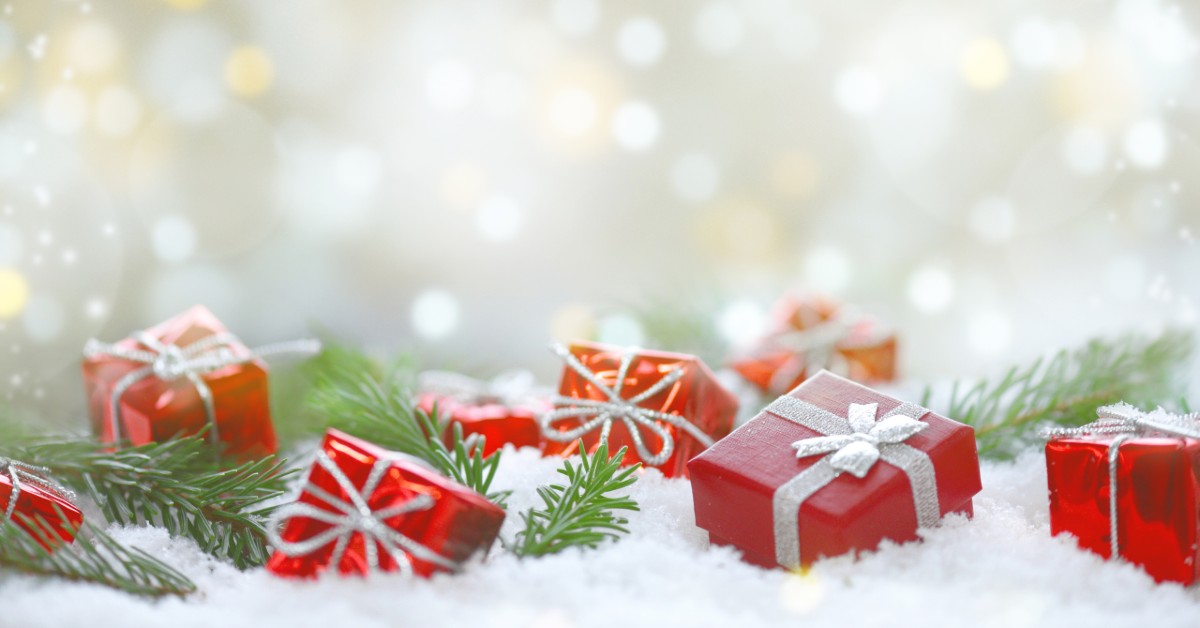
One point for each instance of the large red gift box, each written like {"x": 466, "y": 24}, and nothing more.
{"x": 811, "y": 332}
{"x": 1157, "y": 495}
{"x": 785, "y": 487}
{"x": 665, "y": 407}
{"x": 130, "y": 400}
{"x": 37, "y": 505}
{"x": 365, "y": 508}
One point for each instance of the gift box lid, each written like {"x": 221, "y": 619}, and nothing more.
{"x": 735, "y": 480}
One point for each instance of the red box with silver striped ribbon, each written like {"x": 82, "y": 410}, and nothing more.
{"x": 832, "y": 467}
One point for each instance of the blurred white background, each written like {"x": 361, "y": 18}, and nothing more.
{"x": 470, "y": 179}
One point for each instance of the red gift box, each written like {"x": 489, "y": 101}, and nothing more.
{"x": 178, "y": 378}
{"x": 36, "y": 504}
{"x": 830, "y": 468}
{"x": 665, "y": 407}
{"x": 1154, "y": 467}
{"x": 814, "y": 332}
{"x": 504, "y": 410}
{"x": 365, "y": 508}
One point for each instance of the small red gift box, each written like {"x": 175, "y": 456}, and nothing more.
{"x": 36, "y": 504}
{"x": 179, "y": 378}
{"x": 813, "y": 332}
{"x": 364, "y": 508}
{"x": 1154, "y": 466}
{"x": 665, "y": 407}
{"x": 505, "y": 410}
{"x": 830, "y": 468}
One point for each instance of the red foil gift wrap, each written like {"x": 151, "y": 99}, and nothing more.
{"x": 178, "y": 378}
{"x": 503, "y": 410}
{"x": 832, "y": 467}
{"x": 364, "y": 509}
{"x": 814, "y": 332}
{"x": 665, "y": 407}
{"x": 37, "y": 505}
{"x": 1153, "y": 461}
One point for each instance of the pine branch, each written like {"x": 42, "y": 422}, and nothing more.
{"x": 94, "y": 557}
{"x": 683, "y": 323}
{"x": 1067, "y": 388}
{"x": 175, "y": 484}
{"x": 579, "y": 513}
{"x": 372, "y": 403}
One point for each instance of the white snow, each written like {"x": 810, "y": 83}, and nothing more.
{"x": 1001, "y": 568}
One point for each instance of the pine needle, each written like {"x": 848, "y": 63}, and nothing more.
{"x": 1066, "y": 389}
{"x": 580, "y": 513}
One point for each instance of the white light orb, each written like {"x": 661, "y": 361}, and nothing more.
{"x": 931, "y": 289}
{"x": 499, "y": 218}
{"x": 573, "y": 111}
{"x": 635, "y": 126}
{"x": 827, "y": 268}
{"x": 434, "y": 314}
{"x": 719, "y": 27}
{"x": 65, "y": 110}
{"x": 174, "y": 238}
{"x": 858, "y": 90}
{"x": 449, "y": 84}
{"x": 989, "y": 334}
{"x": 1146, "y": 144}
{"x": 641, "y": 42}
{"x": 741, "y": 323}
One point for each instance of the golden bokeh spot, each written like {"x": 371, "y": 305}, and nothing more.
{"x": 14, "y": 293}
{"x": 575, "y": 105}
{"x": 1105, "y": 90}
{"x": 572, "y": 322}
{"x": 11, "y": 79}
{"x": 802, "y": 592}
{"x": 249, "y": 71}
{"x": 463, "y": 185}
{"x": 795, "y": 174}
{"x": 984, "y": 64}
{"x": 186, "y": 5}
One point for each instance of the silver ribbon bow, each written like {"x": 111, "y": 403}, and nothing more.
{"x": 20, "y": 473}
{"x": 850, "y": 445}
{"x": 510, "y": 388}
{"x": 816, "y": 346}
{"x": 169, "y": 362}
{"x": 355, "y": 517}
{"x": 1127, "y": 422}
{"x": 594, "y": 414}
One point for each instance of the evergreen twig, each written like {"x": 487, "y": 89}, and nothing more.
{"x": 93, "y": 557}
{"x": 580, "y": 513}
{"x": 376, "y": 404}
{"x": 1066, "y": 388}
{"x": 175, "y": 484}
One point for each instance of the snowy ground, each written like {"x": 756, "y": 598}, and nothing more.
{"x": 1000, "y": 569}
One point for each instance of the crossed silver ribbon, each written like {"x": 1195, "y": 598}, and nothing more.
{"x": 595, "y": 414}
{"x": 510, "y": 388}
{"x": 817, "y": 346}
{"x": 850, "y": 445}
{"x": 1127, "y": 422}
{"x": 354, "y": 516}
{"x": 169, "y": 362}
{"x": 20, "y": 473}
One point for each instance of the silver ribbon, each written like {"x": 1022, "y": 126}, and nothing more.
{"x": 20, "y": 473}
{"x": 510, "y": 388}
{"x": 169, "y": 362}
{"x": 816, "y": 345}
{"x": 355, "y": 517}
{"x": 594, "y": 414}
{"x": 850, "y": 445}
{"x": 1127, "y": 422}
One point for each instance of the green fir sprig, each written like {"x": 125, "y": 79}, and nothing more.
{"x": 581, "y": 512}
{"x": 1066, "y": 389}
{"x": 93, "y": 557}
{"x": 176, "y": 484}
{"x": 355, "y": 395}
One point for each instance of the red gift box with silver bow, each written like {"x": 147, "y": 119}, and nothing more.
{"x": 37, "y": 504}
{"x": 830, "y": 468}
{"x": 665, "y": 407}
{"x": 180, "y": 377}
{"x": 364, "y": 508}
{"x": 503, "y": 411}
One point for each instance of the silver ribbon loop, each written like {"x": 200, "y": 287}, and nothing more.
{"x": 510, "y": 388}
{"x": 169, "y": 362}
{"x": 20, "y": 473}
{"x": 355, "y": 517}
{"x": 595, "y": 414}
{"x": 1127, "y": 422}
{"x": 850, "y": 445}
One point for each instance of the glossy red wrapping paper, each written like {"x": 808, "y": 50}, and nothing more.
{"x": 498, "y": 422}
{"x": 154, "y": 410}
{"x": 867, "y": 353}
{"x": 1157, "y": 500}
{"x": 460, "y": 523}
{"x": 734, "y": 481}
{"x": 41, "y": 506}
{"x": 697, "y": 397}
